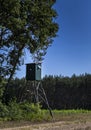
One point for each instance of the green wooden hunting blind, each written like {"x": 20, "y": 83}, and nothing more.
{"x": 33, "y": 71}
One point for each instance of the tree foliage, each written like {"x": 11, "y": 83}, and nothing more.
{"x": 68, "y": 93}
{"x": 62, "y": 92}
{"x": 24, "y": 24}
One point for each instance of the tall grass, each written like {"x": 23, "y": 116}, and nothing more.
{"x": 73, "y": 114}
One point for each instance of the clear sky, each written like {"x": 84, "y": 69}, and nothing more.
{"x": 70, "y": 52}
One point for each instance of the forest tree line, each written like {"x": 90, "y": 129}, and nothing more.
{"x": 62, "y": 92}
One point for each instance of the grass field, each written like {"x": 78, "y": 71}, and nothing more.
{"x": 63, "y": 119}
{"x": 66, "y": 115}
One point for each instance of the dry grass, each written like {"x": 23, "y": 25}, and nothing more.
{"x": 68, "y": 125}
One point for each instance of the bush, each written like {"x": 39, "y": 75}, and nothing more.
{"x": 3, "y": 111}
{"x": 23, "y": 111}
{"x": 32, "y": 111}
{"x": 15, "y": 113}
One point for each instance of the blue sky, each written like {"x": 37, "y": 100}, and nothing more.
{"x": 71, "y": 50}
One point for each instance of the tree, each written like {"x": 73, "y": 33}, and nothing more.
{"x": 24, "y": 24}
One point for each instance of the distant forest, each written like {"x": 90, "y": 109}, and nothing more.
{"x": 62, "y": 92}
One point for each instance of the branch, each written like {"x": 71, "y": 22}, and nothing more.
{"x": 15, "y": 64}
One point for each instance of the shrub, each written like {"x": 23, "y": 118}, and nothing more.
{"x": 24, "y": 111}
{"x": 15, "y": 113}
{"x": 3, "y": 111}
{"x": 32, "y": 111}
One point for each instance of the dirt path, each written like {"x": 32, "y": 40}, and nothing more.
{"x": 62, "y": 125}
